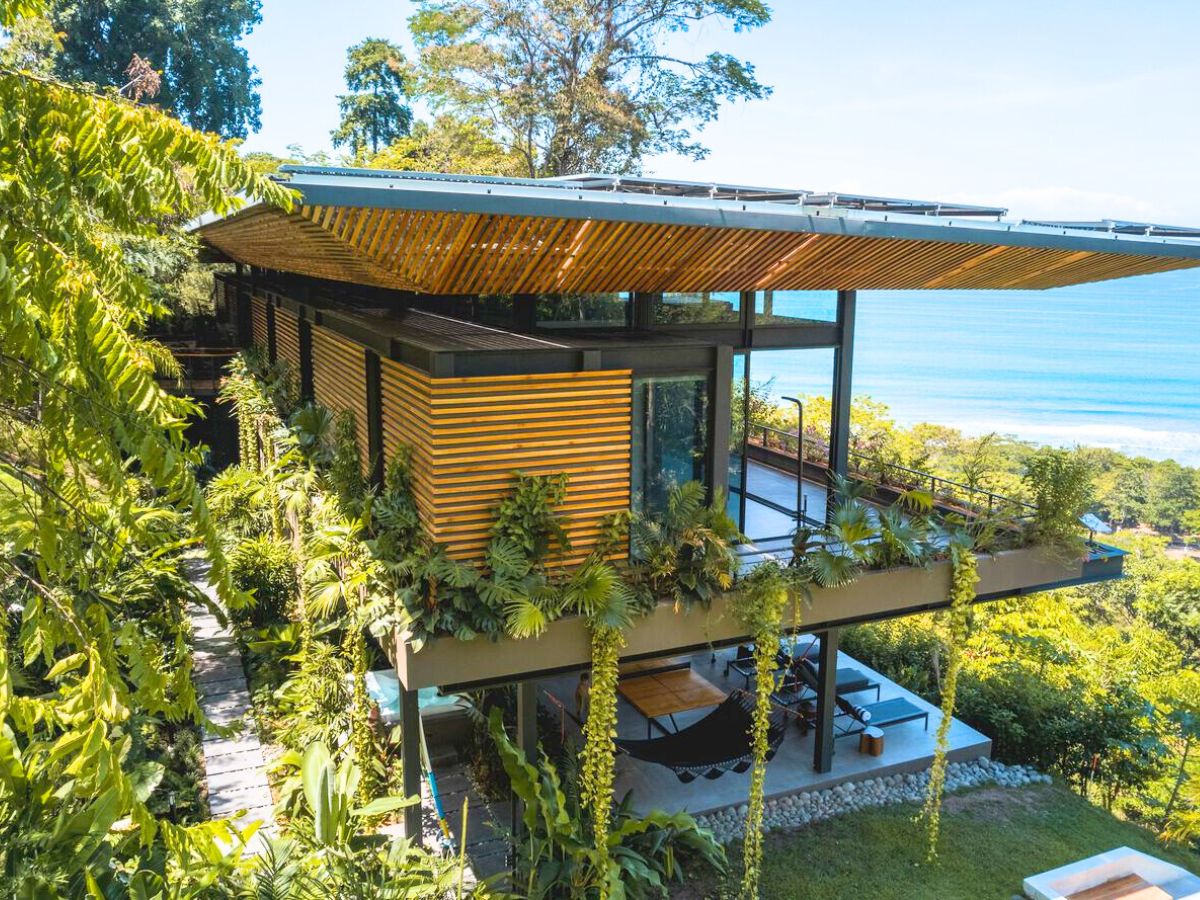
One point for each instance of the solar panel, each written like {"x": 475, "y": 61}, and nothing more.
{"x": 1118, "y": 226}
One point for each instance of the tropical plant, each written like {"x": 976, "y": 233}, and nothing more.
{"x": 557, "y": 857}
{"x": 266, "y": 568}
{"x": 964, "y": 577}
{"x": 687, "y": 556}
{"x": 759, "y": 607}
{"x": 1061, "y": 485}
{"x": 526, "y": 516}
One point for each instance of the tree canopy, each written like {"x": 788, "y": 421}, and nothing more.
{"x": 207, "y": 79}
{"x": 583, "y": 85}
{"x": 374, "y": 113}
{"x": 450, "y": 144}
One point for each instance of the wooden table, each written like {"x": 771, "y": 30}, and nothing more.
{"x": 666, "y": 693}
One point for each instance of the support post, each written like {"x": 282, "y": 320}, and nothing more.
{"x": 272, "y": 353}
{"x": 527, "y": 743}
{"x": 826, "y": 700}
{"x": 306, "y": 360}
{"x": 374, "y": 375}
{"x": 721, "y": 422}
{"x": 410, "y": 761}
{"x": 843, "y": 365}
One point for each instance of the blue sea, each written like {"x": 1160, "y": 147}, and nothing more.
{"x": 1114, "y": 364}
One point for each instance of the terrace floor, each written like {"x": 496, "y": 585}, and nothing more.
{"x": 907, "y": 748}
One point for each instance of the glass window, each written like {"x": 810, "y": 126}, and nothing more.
{"x": 583, "y": 310}
{"x": 795, "y": 307}
{"x": 670, "y": 437}
{"x": 702, "y": 307}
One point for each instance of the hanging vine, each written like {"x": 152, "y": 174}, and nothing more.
{"x": 759, "y": 607}
{"x": 964, "y": 578}
{"x": 599, "y": 749}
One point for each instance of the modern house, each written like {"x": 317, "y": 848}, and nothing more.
{"x": 607, "y": 328}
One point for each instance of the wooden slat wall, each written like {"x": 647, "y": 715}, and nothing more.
{"x": 287, "y": 340}
{"x": 473, "y": 253}
{"x": 258, "y": 322}
{"x": 469, "y": 435}
{"x": 340, "y": 381}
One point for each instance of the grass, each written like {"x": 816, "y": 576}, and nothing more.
{"x": 992, "y": 839}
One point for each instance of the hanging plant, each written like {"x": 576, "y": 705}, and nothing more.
{"x": 963, "y": 580}
{"x": 759, "y": 607}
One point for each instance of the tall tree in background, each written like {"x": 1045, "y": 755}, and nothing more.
{"x": 450, "y": 144}
{"x": 207, "y": 79}
{"x": 375, "y": 113}
{"x": 583, "y": 85}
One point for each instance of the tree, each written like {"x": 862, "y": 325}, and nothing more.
{"x": 450, "y": 144}
{"x": 1170, "y": 494}
{"x": 583, "y": 85}
{"x": 375, "y": 113}
{"x": 207, "y": 79}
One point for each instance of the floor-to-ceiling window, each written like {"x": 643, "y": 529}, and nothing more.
{"x": 670, "y": 436}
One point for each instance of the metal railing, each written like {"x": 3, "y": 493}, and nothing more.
{"x": 945, "y": 491}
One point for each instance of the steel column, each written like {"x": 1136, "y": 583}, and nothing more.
{"x": 306, "y": 360}
{"x": 843, "y": 364}
{"x": 410, "y": 761}
{"x": 826, "y": 697}
{"x": 373, "y": 373}
{"x": 527, "y": 743}
{"x": 721, "y": 420}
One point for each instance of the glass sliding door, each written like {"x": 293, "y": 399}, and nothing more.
{"x": 670, "y": 437}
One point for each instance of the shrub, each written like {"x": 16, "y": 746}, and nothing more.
{"x": 268, "y": 568}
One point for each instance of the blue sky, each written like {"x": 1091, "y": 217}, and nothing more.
{"x": 1053, "y": 108}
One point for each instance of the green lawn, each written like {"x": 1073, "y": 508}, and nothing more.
{"x": 992, "y": 839}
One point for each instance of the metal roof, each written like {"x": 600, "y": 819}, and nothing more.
{"x": 447, "y": 234}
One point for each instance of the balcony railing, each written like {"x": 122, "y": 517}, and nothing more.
{"x": 945, "y": 492}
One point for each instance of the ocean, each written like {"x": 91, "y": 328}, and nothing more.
{"x": 1114, "y": 364}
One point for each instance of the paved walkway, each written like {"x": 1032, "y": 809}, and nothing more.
{"x": 234, "y": 765}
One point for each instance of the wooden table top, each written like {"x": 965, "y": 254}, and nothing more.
{"x": 670, "y": 692}
{"x": 633, "y": 669}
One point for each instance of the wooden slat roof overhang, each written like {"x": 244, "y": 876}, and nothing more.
{"x": 461, "y": 235}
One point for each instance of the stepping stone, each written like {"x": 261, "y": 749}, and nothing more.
{"x": 229, "y": 783}
{"x": 234, "y": 762}
{"x": 237, "y": 700}
{"x": 217, "y": 747}
{"x": 221, "y": 686}
{"x": 224, "y": 805}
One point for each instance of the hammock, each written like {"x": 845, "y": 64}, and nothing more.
{"x": 718, "y": 743}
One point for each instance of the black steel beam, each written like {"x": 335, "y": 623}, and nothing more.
{"x": 843, "y": 366}
{"x": 527, "y": 743}
{"x": 410, "y": 761}
{"x": 826, "y": 697}
{"x": 306, "y": 362}
{"x": 373, "y": 375}
{"x": 720, "y": 420}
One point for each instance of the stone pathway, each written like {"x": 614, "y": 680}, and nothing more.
{"x": 234, "y": 764}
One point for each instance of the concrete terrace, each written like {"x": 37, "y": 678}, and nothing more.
{"x": 907, "y": 748}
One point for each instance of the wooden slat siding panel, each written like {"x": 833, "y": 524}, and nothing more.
{"x": 340, "y": 383}
{"x": 468, "y": 435}
{"x": 258, "y": 323}
{"x": 287, "y": 341}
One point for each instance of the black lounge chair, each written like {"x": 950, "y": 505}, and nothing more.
{"x": 883, "y": 714}
{"x": 801, "y": 683}
{"x": 718, "y": 743}
{"x": 744, "y": 664}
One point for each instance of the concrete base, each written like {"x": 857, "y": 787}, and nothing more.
{"x": 1170, "y": 881}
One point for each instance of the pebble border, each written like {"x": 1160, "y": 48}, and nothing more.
{"x": 794, "y": 811}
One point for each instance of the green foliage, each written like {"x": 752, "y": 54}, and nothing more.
{"x": 687, "y": 555}
{"x": 315, "y": 701}
{"x": 1171, "y": 493}
{"x": 1061, "y": 485}
{"x": 759, "y": 607}
{"x": 266, "y": 567}
{"x": 557, "y": 856}
{"x": 450, "y": 144}
{"x": 963, "y": 580}
{"x": 207, "y": 79}
{"x": 573, "y": 87}
{"x": 374, "y": 114}
{"x": 526, "y": 517}
{"x": 599, "y": 748}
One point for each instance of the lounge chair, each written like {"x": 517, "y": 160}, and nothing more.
{"x": 744, "y": 664}
{"x": 801, "y": 682}
{"x": 896, "y": 711}
{"x": 718, "y": 743}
